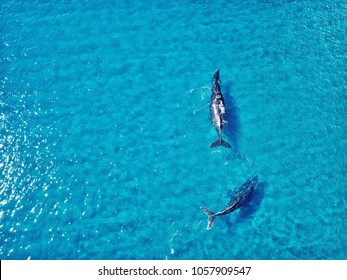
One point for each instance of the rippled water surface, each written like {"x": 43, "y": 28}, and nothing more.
{"x": 105, "y": 130}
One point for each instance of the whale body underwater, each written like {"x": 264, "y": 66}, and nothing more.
{"x": 217, "y": 111}
{"x": 239, "y": 198}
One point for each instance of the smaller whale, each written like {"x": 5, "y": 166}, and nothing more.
{"x": 217, "y": 110}
{"x": 241, "y": 195}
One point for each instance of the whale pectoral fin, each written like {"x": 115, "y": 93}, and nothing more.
{"x": 232, "y": 205}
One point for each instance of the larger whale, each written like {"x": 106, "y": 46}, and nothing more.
{"x": 217, "y": 110}
{"x": 240, "y": 197}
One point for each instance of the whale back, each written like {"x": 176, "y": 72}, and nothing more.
{"x": 242, "y": 193}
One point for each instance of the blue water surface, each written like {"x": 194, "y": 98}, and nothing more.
{"x": 105, "y": 129}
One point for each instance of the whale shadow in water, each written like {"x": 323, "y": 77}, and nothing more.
{"x": 254, "y": 202}
{"x": 232, "y": 129}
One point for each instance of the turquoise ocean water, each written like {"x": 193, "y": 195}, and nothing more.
{"x": 105, "y": 129}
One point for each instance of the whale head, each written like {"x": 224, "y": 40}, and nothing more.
{"x": 253, "y": 181}
{"x": 216, "y": 76}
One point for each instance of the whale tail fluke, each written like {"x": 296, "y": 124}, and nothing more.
{"x": 220, "y": 142}
{"x": 211, "y": 216}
